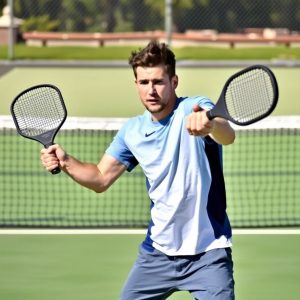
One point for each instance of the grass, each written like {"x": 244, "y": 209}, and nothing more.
{"x": 252, "y": 53}
{"x": 22, "y": 51}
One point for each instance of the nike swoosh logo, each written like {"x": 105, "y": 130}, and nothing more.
{"x": 148, "y": 134}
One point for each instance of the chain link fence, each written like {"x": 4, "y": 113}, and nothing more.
{"x": 144, "y": 15}
{"x": 275, "y": 17}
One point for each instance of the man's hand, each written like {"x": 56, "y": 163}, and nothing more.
{"x": 53, "y": 157}
{"x": 198, "y": 123}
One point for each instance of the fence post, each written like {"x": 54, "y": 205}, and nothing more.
{"x": 168, "y": 21}
{"x": 11, "y": 30}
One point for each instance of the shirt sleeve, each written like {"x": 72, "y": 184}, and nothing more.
{"x": 205, "y": 103}
{"x": 119, "y": 150}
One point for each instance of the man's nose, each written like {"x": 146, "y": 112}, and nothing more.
{"x": 152, "y": 89}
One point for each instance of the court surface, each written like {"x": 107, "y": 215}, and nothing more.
{"x": 87, "y": 267}
{"x": 105, "y": 92}
{"x": 90, "y": 267}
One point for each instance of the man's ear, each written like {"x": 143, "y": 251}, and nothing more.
{"x": 175, "y": 81}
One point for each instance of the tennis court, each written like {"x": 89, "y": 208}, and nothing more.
{"x": 110, "y": 92}
{"x": 90, "y": 266}
{"x": 66, "y": 267}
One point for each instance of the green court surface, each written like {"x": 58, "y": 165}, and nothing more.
{"x": 104, "y": 92}
{"x": 267, "y": 267}
{"x": 90, "y": 267}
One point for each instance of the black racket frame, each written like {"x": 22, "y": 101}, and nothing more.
{"x": 46, "y": 138}
{"x": 220, "y": 109}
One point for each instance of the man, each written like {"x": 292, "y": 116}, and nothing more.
{"x": 188, "y": 242}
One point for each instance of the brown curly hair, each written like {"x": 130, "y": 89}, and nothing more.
{"x": 154, "y": 54}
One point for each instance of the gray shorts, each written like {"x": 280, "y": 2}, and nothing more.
{"x": 156, "y": 276}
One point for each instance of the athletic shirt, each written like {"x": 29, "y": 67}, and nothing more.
{"x": 184, "y": 179}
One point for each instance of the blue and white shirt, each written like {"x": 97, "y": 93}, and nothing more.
{"x": 184, "y": 179}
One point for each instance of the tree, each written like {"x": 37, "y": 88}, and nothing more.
{"x": 143, "y": 15}
{"x": 2, "y": 4}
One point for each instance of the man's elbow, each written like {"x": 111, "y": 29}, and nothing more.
{"x": 231, "y": 139}
{"x": 100, "y": 189}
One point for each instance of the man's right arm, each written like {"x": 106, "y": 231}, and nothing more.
{"x": 95, "y": 177}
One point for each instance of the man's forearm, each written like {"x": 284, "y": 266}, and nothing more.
{"x": 86, "y": 174}
{"x": 222, "y": 132}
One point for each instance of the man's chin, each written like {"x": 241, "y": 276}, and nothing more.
{"x": 154, "y": 109}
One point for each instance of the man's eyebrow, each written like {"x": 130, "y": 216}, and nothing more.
{"x": 143, "y": 80}
{"x": 153, "y": 79}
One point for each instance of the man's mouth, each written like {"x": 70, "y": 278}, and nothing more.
{"x": 152, "y": 101}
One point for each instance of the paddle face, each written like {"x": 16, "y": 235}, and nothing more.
{"x": 248, "y": 96}
{"x": 38, "y": 113}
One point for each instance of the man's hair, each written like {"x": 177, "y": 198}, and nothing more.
{"x": 152, "y": 55}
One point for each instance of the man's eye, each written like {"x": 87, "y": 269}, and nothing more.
{"x": 144, "y": 82}
{"x": 158, "y": 82}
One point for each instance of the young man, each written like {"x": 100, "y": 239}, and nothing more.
{"x": 188, "y": 242}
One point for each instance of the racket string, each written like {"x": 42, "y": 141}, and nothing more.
{"x": 38, "y": 111}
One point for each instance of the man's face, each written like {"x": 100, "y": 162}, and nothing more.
{"x": 156, "y": 90}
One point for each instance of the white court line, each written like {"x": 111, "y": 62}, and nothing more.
{"x": 265, "y": 231}
{"x": 70, "y": 231}
{"x": 133, "y": 231}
